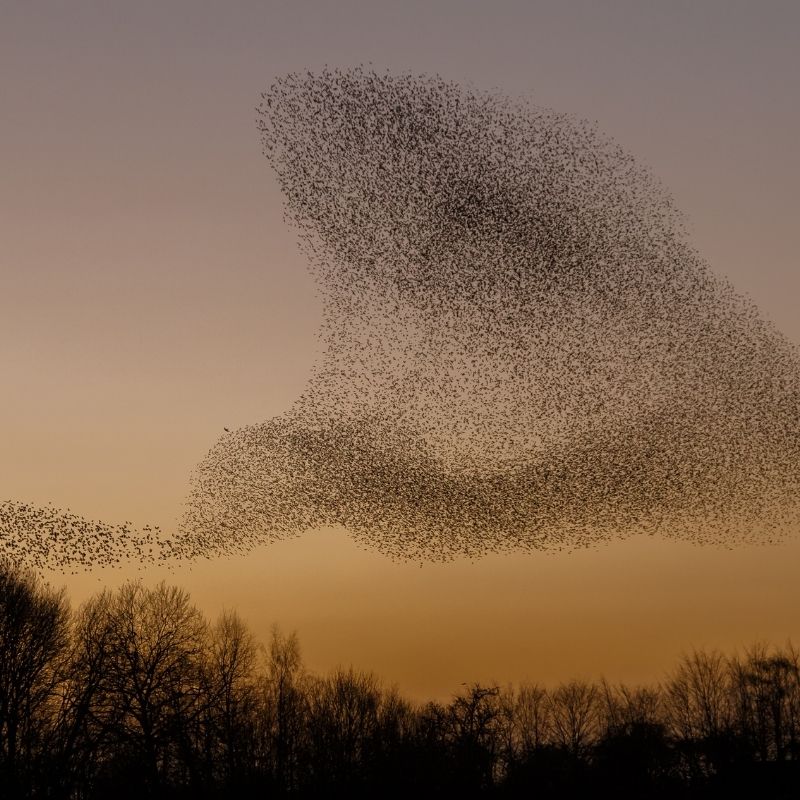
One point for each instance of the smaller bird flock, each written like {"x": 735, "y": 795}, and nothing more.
{"x": 50, "y": 538}
{"x": 521, "y": 349}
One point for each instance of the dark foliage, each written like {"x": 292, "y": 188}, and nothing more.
{"x": 136, "y": 695}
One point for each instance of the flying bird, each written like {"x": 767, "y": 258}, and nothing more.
{"x": 521, "y": 350}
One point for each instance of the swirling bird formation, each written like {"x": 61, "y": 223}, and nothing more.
{"x": 522, "y": 351}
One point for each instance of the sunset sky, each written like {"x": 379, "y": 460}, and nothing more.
{"x": 151, "y": 294}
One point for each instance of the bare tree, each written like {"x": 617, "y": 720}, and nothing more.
{"x": 573, "y": 711}
{"x": 34, "y": 622}
{"x": 80, "y": 745}
{"x": 475, "y": 719}
{"x": 282, "y": 708}
{"x": 624, "y": 708}
{"x": 231, "y": 694}
{"x": 698, "y": 700}
{"x": 343, "y": 719}
{"x": 151, "y": 689}
{"x": 532, "y": 717}
{"x": 766, "y": 695}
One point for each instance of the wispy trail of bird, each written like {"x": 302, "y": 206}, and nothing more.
{"x": 47, "y": 537}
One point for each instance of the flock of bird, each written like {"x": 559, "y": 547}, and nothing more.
{"x": 50, "y": 538}
{"x": 522, "y": 351}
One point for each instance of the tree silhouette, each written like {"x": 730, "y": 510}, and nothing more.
{"x": 135, "y": 694}
{"x": 151, "y": 692}
{"x": 33, "y": 638}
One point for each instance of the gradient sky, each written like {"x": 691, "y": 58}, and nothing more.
{"x": 150, "y": 294}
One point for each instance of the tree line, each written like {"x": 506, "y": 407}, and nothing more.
{"x": 136, "y": 694}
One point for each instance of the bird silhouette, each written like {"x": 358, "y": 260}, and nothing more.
{"x": 521, "y": 350}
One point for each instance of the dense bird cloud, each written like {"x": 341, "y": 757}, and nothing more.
{"x": 522, "y": 350}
